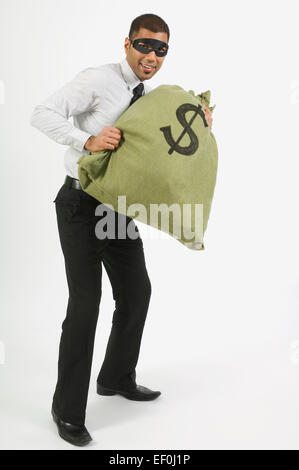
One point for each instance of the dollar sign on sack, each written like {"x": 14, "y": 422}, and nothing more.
{"x": 181, "y": 116}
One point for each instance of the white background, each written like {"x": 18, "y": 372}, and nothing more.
{"x": 221, "y": 340}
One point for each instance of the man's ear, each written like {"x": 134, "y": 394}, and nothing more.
{"x": 127, "y": 44}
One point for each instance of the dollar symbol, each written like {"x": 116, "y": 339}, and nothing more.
{"x": 181, "y": 116}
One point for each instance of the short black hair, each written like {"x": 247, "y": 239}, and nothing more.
{"x": 149, "y": 21}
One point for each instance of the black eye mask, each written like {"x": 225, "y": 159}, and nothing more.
{"x": 146, "y": 45}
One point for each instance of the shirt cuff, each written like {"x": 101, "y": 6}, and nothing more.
{"x": 79, "y": 138}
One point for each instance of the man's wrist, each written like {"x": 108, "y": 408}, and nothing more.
{"x": 88, "y": 142}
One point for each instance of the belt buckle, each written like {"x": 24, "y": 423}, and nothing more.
{"x": 76, "y": 184}
{"x": 72, "y": 182}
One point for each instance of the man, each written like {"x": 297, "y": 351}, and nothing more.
{"x": 95, "y": 98}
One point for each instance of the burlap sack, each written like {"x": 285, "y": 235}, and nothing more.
{"x": 167, "y": 159}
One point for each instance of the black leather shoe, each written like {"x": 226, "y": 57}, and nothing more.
{"x": 139, "y": 393}
{"x": 72, "y": 433}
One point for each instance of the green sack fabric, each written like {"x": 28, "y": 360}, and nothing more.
{"x": 167, "y": 155}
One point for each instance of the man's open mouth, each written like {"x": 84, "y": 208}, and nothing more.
{"x": 146, "y": 67}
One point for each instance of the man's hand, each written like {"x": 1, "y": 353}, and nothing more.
{"x": 107, "y": 139}
{"x": 208, "y": 115}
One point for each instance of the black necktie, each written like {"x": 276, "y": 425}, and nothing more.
{"x": 138, "y": 90}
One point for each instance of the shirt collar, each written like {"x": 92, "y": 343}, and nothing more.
{"x": 129, "y": 76}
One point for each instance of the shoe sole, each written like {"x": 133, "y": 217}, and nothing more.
{"x": 82, "y": 444}
{"x": 108, "y": 392}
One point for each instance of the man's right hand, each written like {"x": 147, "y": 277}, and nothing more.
{"x": 107, "y": 139}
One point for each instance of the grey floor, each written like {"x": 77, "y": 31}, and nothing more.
{"x": 242, "y": 401}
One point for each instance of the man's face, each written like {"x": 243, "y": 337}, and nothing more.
{"x": 135, "y": 58}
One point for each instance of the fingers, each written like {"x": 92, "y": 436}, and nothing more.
{"x": 208, "y": 114}
{"x": 110, "y": 142}
{"x": 111, "y": 137}
{"x": 113, "y": 132}
{"x": 110, "y": 146}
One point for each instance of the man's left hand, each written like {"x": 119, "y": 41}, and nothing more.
{"x": 208, "y": 114}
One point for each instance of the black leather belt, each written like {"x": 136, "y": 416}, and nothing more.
{"x": 72, "y": 182}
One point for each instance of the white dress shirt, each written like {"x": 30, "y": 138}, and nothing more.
{"x": 95, "y": 98}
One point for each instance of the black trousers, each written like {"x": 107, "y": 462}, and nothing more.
{"x": 123, "y": 259}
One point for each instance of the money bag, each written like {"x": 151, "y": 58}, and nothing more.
{"x": 165, "y": 167}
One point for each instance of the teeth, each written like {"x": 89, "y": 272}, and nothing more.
{"x": 147, "y": 66}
